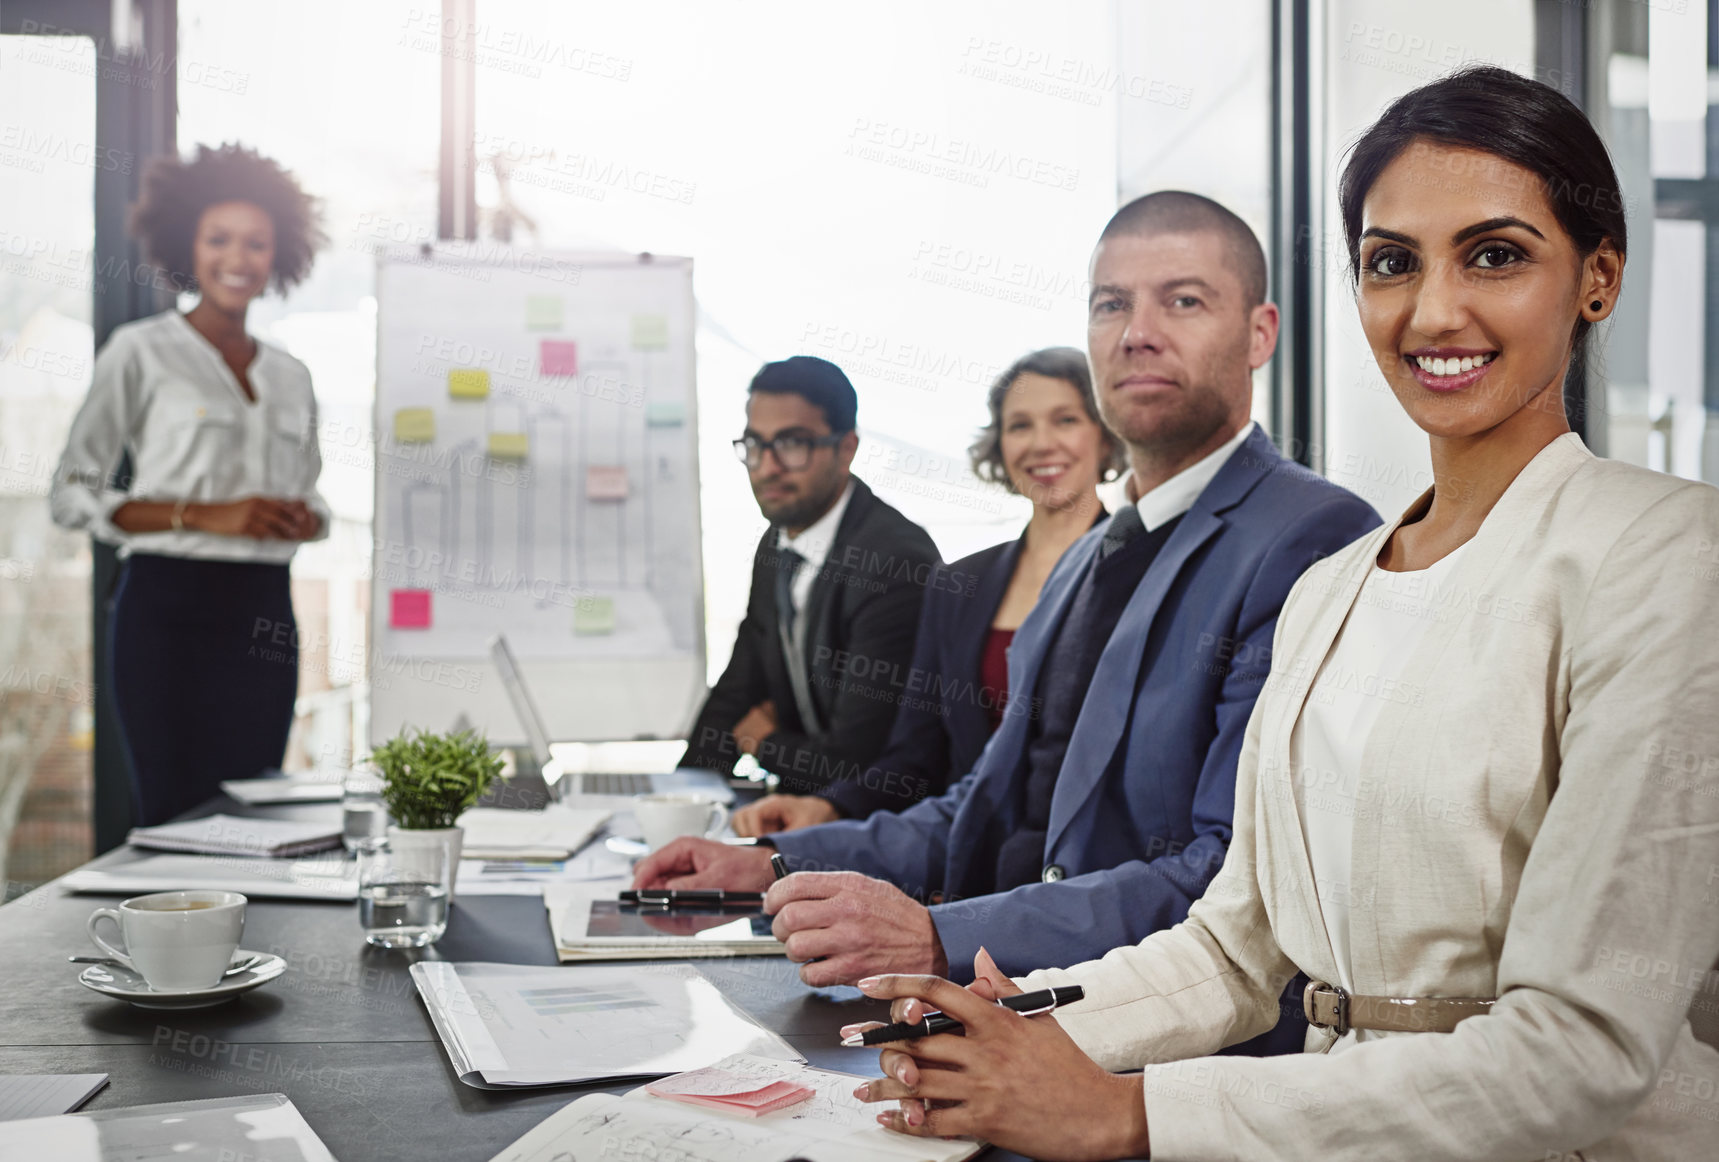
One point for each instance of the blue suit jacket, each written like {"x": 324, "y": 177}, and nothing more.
{"x": 1141, "y": 816}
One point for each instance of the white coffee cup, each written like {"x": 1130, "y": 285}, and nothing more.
{"x": 176, "y": 940}
{"x": 668, "y": 815}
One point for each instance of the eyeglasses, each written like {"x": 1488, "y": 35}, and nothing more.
{"x": 793, "y": 450}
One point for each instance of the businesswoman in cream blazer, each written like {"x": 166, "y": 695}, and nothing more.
{"x": 1478, "y": 801}
{"x": 221, "y": 429}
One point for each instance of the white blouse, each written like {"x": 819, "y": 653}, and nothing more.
{"x": 162, "y": 390}
{"x": 1364, "y": 672}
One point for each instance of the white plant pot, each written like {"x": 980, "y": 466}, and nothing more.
{"x": 412, "y": 849}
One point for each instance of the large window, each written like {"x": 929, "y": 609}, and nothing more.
{"x": 1655, "y": 396}
{"x": 911, "y": 192}
{"x": 47, "y": 165}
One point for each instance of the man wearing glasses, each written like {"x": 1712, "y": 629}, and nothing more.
{"x": 811, "y": 688}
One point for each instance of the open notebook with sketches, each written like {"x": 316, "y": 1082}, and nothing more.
{"x": 831, "y": 1126}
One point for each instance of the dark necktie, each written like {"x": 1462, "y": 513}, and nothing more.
{"x": 788, "y": 564}
{"x": 1123, "y": 527}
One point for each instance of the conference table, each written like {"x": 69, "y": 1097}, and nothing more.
{"x": 342, "y": 1032}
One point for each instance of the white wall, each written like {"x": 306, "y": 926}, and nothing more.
{"x": 1195, "y": 110}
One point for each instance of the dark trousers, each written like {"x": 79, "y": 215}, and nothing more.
{"x": 204, "y": 664}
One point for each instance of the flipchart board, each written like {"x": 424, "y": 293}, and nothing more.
{"x": 536, "y": 475}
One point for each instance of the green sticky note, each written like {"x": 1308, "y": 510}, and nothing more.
{"x": 650, "y": 332}
{"x": 508, "y": 445}
{"x": 543, "y": 312}
{"x": 594, "y": 615}
{"x": 665, "y": 413}
{"x": 415, "y": 425}
{"x": 468, "y": 383}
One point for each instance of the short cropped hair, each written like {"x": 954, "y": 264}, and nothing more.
{"x": 1066, "y": 364}
{"x": 817, "y": 381}
{"x": 1179, "y": 212}
{"x": 176, "y": 193}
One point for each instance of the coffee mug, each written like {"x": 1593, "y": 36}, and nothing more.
{"x": 176, "y": 940}
{"x": 667, "y": 816}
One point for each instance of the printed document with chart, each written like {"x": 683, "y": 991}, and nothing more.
{"x": 507, "y": 1025}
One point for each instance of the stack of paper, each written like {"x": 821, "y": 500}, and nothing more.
{"x": 551, "y": 834}
{"x": 589, "y": 923}
{"x": 507, "y": 1025}
{"x": 232, "y": 835}
{"x": 830, "y": 1126}
{"x": 325, "y": 877}
{"x": 733, "y": 1093}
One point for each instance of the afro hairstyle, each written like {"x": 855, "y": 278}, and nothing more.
{"x": 176, "y": 193}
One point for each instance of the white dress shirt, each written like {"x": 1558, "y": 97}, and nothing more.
{"x": 814, "y": 543}
{"x": 1177, "y": 495}
{"x": 162, "y": 390}
{"x": 1366, "y": 671}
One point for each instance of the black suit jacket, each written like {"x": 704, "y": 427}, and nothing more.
{"x": 861, "y": 617}
{"x": 944, "y": 720}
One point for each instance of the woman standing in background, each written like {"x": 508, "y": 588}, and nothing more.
{"x": 221, "y": 429}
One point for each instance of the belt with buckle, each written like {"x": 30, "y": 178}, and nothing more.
{"x": 1330, "y": 1007}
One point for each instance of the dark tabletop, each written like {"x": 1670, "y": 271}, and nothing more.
{"x": 342, "y": 1032}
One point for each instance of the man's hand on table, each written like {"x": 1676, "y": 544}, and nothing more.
{"x": 759, "y": 724}
{"x": 841, "y": 926}
{"x": 691, "y": 862}
{"x": 775, "y": 813}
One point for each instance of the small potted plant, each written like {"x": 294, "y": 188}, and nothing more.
{"x": 428, "y": 782}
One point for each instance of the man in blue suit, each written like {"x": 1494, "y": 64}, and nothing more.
{"x": 1098, "y": 814}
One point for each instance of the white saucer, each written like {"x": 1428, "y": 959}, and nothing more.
{"x": 125, "y": 985}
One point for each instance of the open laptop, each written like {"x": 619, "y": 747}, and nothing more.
{"x": 596, "y": 789}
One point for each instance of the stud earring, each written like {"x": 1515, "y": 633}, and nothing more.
{"x": 1597, "y": 305}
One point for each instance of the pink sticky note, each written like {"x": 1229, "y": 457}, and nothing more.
{"x": 606, "y": 482}
{"x": 409, "y": 609}
{"x": 558, "y": 357}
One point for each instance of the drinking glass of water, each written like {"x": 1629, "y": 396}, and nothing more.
{"x": 364, "y": 814}
{"x": 402, "y": 903}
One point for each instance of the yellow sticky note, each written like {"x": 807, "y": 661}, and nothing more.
{"x": 468, "y": 383}
{"x": 594, "y": 615}
{"x": 507, "y": 445}
{"x": 543, "y": 312}
{"x": 650, "y": 332}
{"x": 415, "y": 425}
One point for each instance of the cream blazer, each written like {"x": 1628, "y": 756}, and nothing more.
{"x": 1539, "y": 824}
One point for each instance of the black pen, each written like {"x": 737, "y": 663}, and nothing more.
{"x": 689, "y": 896}
{"x": 1026, "y": 1004}
{"x": 779, "y": 865}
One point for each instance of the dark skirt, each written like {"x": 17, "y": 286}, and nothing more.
{"x": 204, "y": 665}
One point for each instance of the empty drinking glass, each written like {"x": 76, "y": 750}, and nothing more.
{"x": 402, "y": 903}
{"x": 363, "y": 813}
